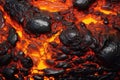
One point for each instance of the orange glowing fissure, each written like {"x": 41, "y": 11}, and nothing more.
{"x": 52, "y": 5}
{"x": 39, "y": 52}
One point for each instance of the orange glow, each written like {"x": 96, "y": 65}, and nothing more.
{"x": 99, "y": 8}
{"x": 89, "y": 20}
{"x": 52, "y": 5}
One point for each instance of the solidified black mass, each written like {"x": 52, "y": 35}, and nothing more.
{"x": 38, "y": 25}
{"x": 110, "y": 54}
{"x": 70, "y": 36}
{"x": 77, "y": 39}
{"x": 27, "y": 62}
{"x": 32, "y": 20}
{"x": 1, "y": 19}
{"x": 82, "y": 4}
{"x": 12, "y": 37}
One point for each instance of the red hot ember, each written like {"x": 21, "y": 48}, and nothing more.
{"x": 59, "y": 39}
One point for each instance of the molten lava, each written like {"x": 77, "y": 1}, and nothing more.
{"x": 39, "y": 48}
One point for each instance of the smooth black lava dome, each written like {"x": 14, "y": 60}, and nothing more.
{"x": 110, "y": 54}
{"x": 38, "y": 26}
{"x": 82, "y": 4}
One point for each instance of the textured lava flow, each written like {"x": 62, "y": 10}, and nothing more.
{"x": 59, "y": 40}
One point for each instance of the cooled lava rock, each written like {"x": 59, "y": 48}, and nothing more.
{"x": 52, "y": 72}
{"x": 12, "y": 37}
{"x": 3, "y": 48}
{"x": 38, "y": 77}
{"x": 63, "y": 65}
{"x": 82, "y": 4}
{"x": 8, "y": 73}
{"x": 113, "y": 1}
{"x": 5, "y": 59}
{"x": 1, "y": 20}
{"x": 38, "y": 25}
{"x": 76, "y": 39}
{"x": 70, "y": 36}
{"x": 110, "y": 54}
{"x": 27, "y": 62}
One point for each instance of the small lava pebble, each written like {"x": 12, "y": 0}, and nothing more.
{"x": 63, "y": 65}
{"x": 1, "y": 20}
{"x": 8, "y": 73}
{"x": 27, "y": 62}
{"x": 3, "y": 48}
{"x": 65, "y": 50}
{"x": 62, "y": 57}
{"x": 12, "y": 37}
{"x": 24, "y": 71}
{"x": 52, "y": 72}
{"x": 5, "y": 59}
{"x": 38, "y": 77}
{"x": 105, "y": 21}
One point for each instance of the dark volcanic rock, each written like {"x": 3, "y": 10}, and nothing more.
{"x": 82, "y": 4}
{"x": 3, "y": 48}
{"x": 65, "y": 50}
{"x": 70, "y": 36}
{"x": 76, "y": 39}
{"x": 20, "y": 77}
{"x": 27, "y": 62}
{"x": 62, "y": 57}
{"x": 63, "y": 65}
{"x": 78, "y": 53}
{"x": 105, "y": 20}
{"x": 24, "y": 71}
{"x": 38, "y": 77}
{"x": 5, "y": 59}
{"x": 12, "y": 37}
{"x": 110, "y": 54}
{"x": 52, "y": 72}
{"x": 50, "y": 62}
{"x": 38, "y": 25}
{"x": 1, "y": 20}
{"x": 8, "y": 73}
{"x": 115, "y": 1}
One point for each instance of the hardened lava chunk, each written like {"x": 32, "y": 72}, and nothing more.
{"x": 27, "y": 62}
{"x": 110, "y": 54}
{"x": 38, "y": 25}
{"x": 113, "y": 1}
{"x": 82, "y": 4}
{"x": 70, "y": 36}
